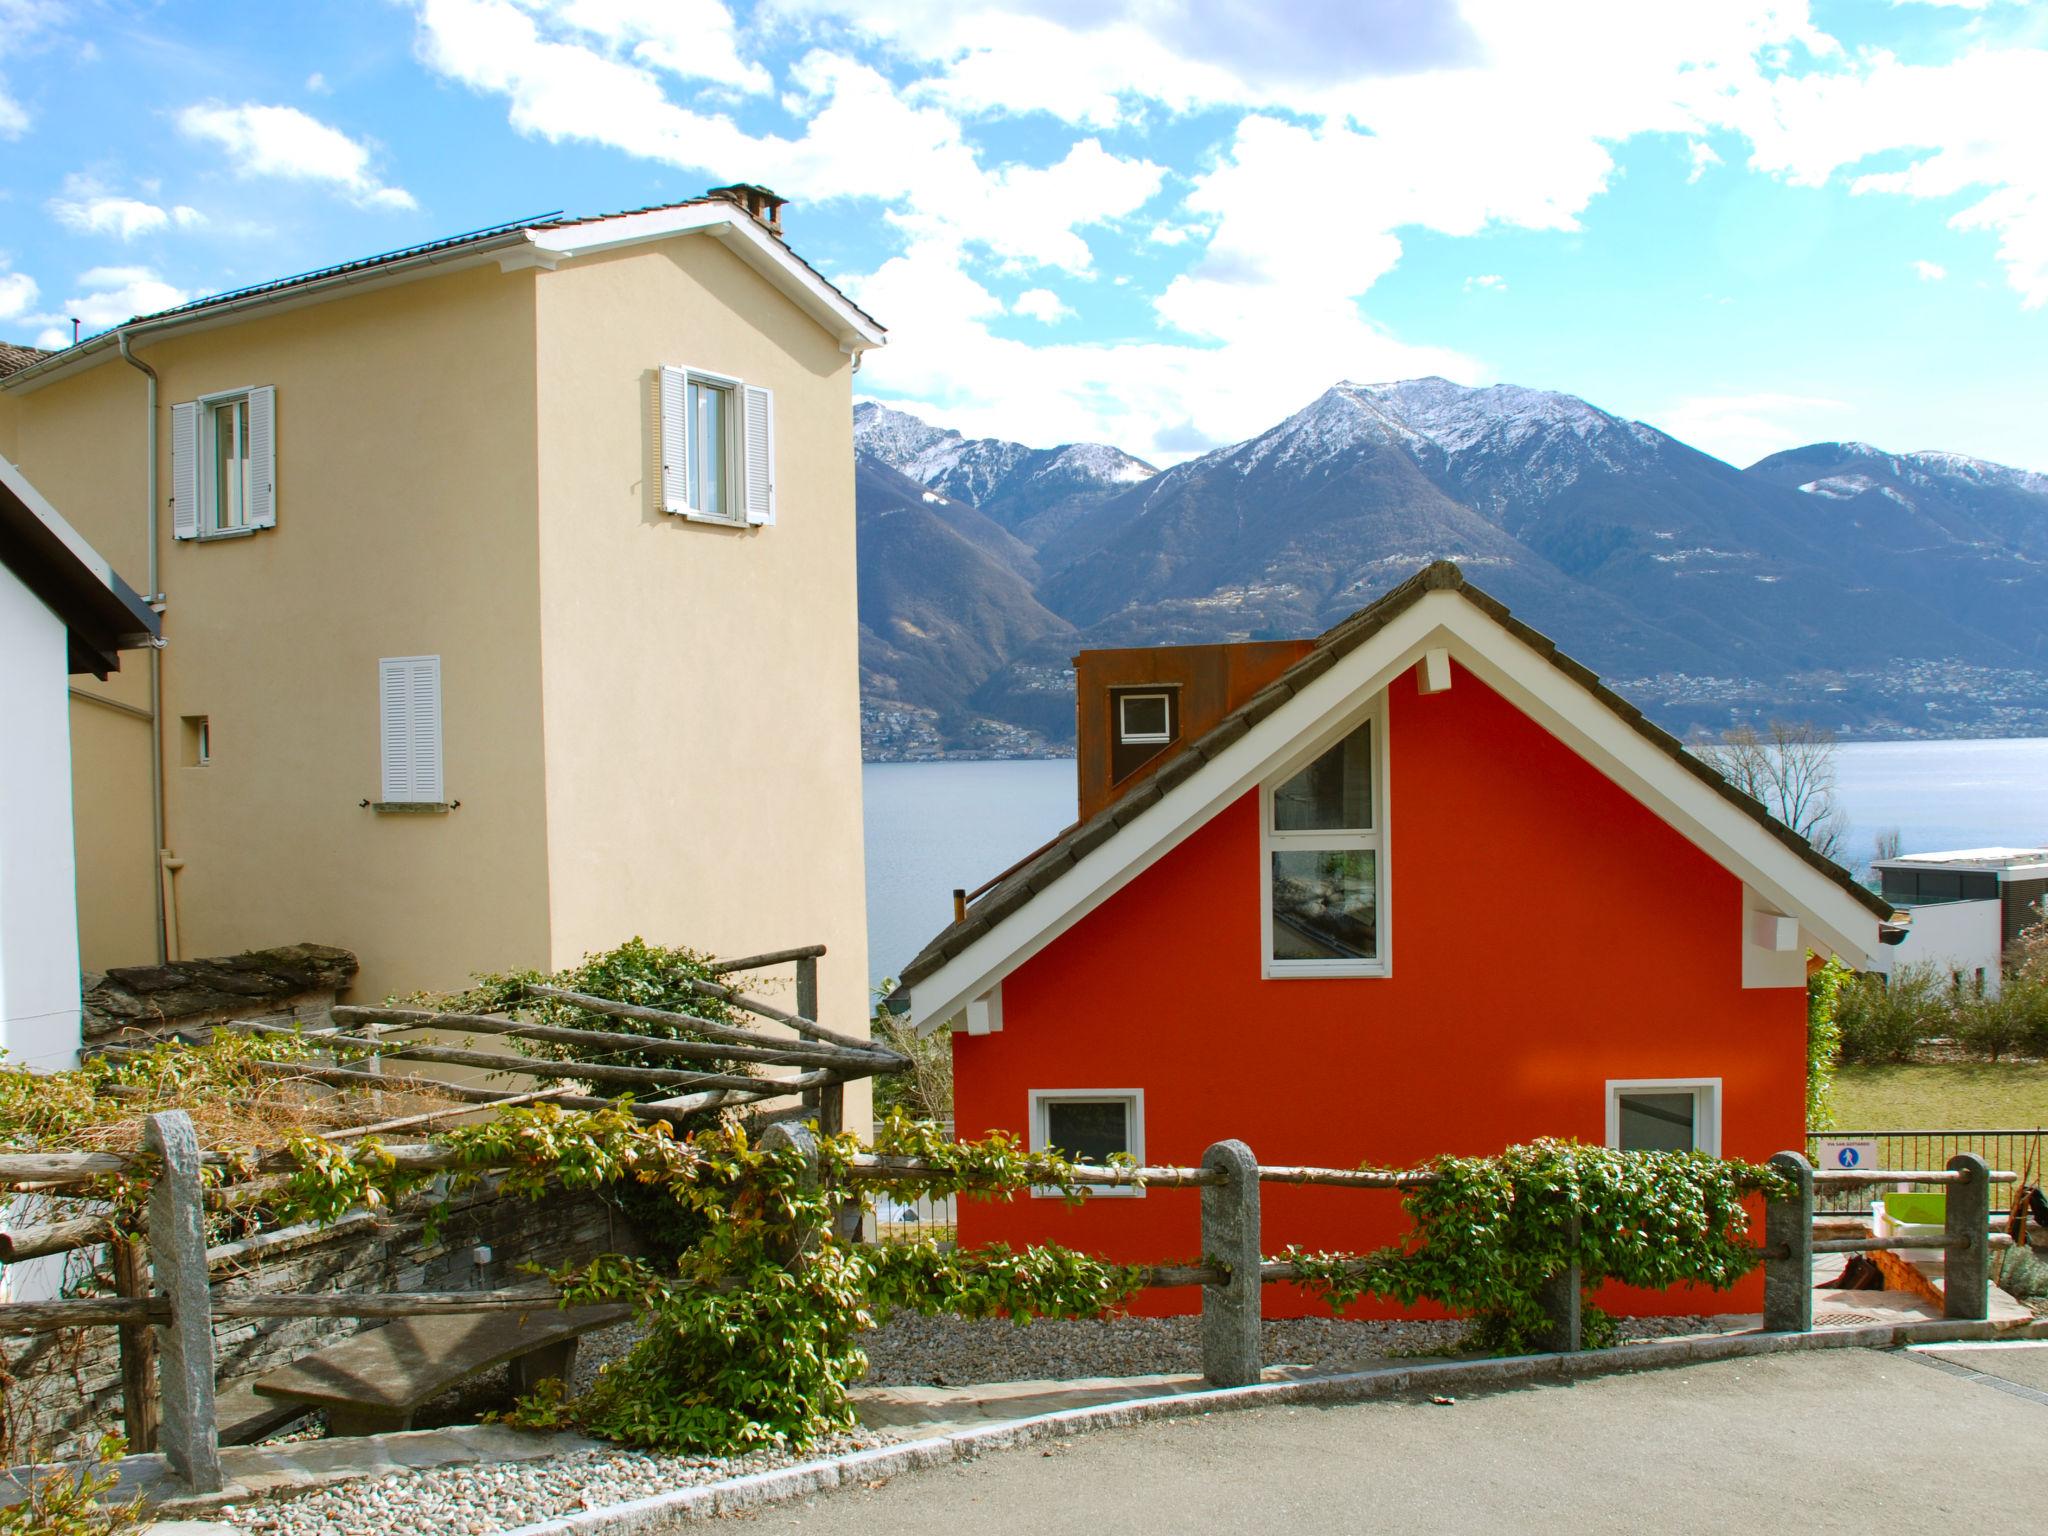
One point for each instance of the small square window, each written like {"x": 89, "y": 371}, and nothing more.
{"x": 1665, "y": 1115}
{"x": 198, "y": 740}
{"x": 1089, "y": 1126}
{"x": 1144, "y": 718}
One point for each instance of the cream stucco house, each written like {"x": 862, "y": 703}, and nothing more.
{"x": 507, "y": 589}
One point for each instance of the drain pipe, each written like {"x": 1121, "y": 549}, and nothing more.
{"x": 156, "y": 674}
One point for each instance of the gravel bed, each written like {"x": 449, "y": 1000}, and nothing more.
{"x": 910, "y": 1350}
{"x": 473, "y": 1500}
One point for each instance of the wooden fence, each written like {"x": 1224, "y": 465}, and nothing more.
{"x": 180, "y": 1308}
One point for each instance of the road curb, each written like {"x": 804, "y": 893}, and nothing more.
{"x": 668, "y": 1511}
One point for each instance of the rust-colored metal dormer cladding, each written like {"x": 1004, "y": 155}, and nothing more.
{"x": 1140, "y": 707}
{"x": 757, "y": 200}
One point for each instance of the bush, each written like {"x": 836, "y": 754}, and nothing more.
{"x": 1889, "y": 1021}
{"x": 925, "y": 1090}
{"x": 1993, "y": 1026}
{"x": 1823, "y": 1040}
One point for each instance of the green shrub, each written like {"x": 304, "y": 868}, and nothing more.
{"x": 66, "y": 1500}
{"x": 1991, "y": 1026}
{"x": 1823, "y": 1040}
{"x": 1889, "y": 1021}
{"x": 925, "y": 1090}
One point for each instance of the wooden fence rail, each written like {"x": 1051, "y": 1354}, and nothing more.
{"x": 1232, "y": 1276}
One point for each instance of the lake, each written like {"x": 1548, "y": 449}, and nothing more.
{"x": 933, "y": 826}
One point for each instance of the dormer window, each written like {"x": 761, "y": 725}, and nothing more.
{"x": 1324, "y": 860}
{"x": 1144, "y": 719}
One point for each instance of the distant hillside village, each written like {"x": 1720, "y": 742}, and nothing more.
{"x": 1878, "y": 594}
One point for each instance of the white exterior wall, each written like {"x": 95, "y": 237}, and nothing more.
{"x": 39, "y": 996}
{"x": 1952, "y": 936}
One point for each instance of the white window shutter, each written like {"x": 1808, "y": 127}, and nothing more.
{"x": 675, "y": 440}
{"x": 263, "y": 458}
{"x": 409, "y": 707}
{"x": 759, "y": 411}
{"x": 185, "y": 470}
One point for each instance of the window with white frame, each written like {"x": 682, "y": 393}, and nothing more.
{"x": 409, "y": 711}
{"x": 1664, "y": 1114}
{"x": 1144, "y": 718}
{"x": 717, "y": 448}
{"x": 1089, "y": 1125}
{"x": 224, "y": 464}
{"x": 1324, "y": 861}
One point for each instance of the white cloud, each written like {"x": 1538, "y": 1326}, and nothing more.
{"x": 1929, "y": 271}
{"x": 863, "y": 137}
{"x": 17, "y": 294}
{"x": 316, "y": 85}
{"x": 87, "y": 207}
{"x": 691, "y": 39}
{"x": 1491, "y": 281}
{"x": 1043, "y": 305}
{"x": 1160, "y": 399}
{"x": 107, "y": 296}
{"x": 13, "y": 116}
{"x": 1703, "y": 159}
{"x": 284, "y": 142}
{"x": 1744, "y": 428}
{"x": 1969, "y": 125}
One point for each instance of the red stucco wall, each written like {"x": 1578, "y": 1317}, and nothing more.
{"x": 1548, "y": 934}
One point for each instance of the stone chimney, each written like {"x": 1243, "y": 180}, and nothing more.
{"x": 757, "y": 200}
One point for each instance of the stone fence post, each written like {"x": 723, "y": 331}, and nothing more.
{"x": 189, "y": 1434}
{"x": 1788, "y": 1233}
{"x": 1230, "y": 1237}
{"x": 1966, "y": 1267}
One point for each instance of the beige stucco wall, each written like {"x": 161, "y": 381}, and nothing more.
{"x": 405, "y": 525}
{"x": 700, "y": 683}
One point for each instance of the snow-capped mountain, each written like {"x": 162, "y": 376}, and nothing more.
{"x": 1808, "y": 584}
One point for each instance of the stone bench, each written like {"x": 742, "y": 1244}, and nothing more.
{"x": 375, "y": 1382}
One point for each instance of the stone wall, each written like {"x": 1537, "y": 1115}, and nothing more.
{"x": 63, "y": 1390}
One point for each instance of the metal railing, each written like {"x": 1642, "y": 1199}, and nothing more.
{"x": 2024, "y": 1151}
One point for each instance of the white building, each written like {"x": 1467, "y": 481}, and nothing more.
{"x": 1967, "y": 904}
{"x": 63, "y": 611}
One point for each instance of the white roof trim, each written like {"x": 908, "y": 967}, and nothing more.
{"x": 512, "y": 250}
{"x": 1503, "y": 661}
{"x": 743, "y": 236}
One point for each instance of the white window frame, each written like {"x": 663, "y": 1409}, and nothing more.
{"x": 1706, "y": 1106}
{"x": 734, "y": 450}
{"x": 1379, "y": 841}
{"x": 1126, "y": 737}
{"x": 1041, "y": 1141}
{"x": 207, "y": 471}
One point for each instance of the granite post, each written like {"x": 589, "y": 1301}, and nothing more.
{"x": 1788, "y": 1233}
{"x": 1230, "y": 1237}
{"x": 188, "y": 1434}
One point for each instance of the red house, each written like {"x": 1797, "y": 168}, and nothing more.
{"x": 1420, "y": 885}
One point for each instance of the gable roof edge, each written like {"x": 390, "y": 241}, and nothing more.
{"x": 1094, "y": 859}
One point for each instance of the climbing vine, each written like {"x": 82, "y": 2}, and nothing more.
{"x": 1488, "y": 1232}
{"x": 1823, "y": 1040}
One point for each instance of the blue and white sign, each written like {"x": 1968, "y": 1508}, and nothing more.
{"x": 1846, "y": 1154}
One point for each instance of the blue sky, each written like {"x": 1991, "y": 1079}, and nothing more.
{"x": 1162, "y": 223}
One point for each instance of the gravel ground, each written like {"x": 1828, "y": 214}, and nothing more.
{"x": 909, "y": 1351}
{"x": 469, "y": 1501}
{"x": 949, "y": 1351}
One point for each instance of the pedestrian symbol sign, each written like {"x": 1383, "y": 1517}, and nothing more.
{"x": 1847, "y": 1155}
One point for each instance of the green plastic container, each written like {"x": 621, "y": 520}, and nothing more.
{"x": 1919, "y": 1207}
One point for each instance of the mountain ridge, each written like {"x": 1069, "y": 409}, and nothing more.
{"x": 1880, "y": 592}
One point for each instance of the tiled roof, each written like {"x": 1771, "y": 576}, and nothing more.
{"x": 14, "y": 358}
{"x": 554, "y": 219}
{"x": 1017, "y": 888}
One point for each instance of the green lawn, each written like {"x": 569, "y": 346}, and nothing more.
{"x": 1934, "y": 1096}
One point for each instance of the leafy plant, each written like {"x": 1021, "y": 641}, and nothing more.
{"x": 1490, "y": 1231}
{"x": 67, "y": 1500}
{"x": 1889, "y": 1019}
{"x": 1823, "y": 1040}
{"x": 645, "y": 975}
{"x": 925, "y": 1091}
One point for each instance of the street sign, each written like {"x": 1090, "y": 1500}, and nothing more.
{"x": 1846, "y": 1154}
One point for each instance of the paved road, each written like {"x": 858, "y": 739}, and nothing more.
{"x": 1813, "y": 1443}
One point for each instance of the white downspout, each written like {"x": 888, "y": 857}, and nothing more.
{"x": 155, "y": 598}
